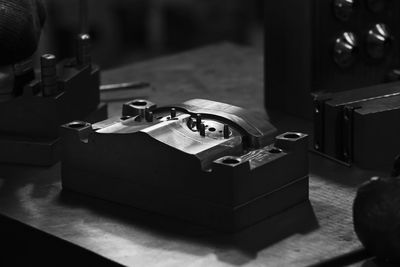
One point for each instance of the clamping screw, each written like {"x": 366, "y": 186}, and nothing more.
{"x": 173, "y": 113}
{"x": 48, "y": 74}
{"x": 83, "y": 49}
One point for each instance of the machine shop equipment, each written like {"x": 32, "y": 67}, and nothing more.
{"x": 29, "y": 123}
{"x": 207, "y": 162}
{"x": 336, "y": 61}
{"x": 376, "y": 215}
{"x": 359, "y": 126}
{"x": 32, "y": 110}
{"x": 326, "y": 46}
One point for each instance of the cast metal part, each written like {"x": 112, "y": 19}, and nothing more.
{"x": 207, "y": 162}
{"x": 359, "y": 126}
{"x": 29, "y": 122}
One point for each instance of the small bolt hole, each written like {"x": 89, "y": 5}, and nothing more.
{"x": 231, "y": 161}
{"x": 275, "y": 151}
{"x": 77, "y": 125}
{"x": 139, "y": 103}
{"x": 291, "y": 136}
{"x": 212, "y": 129}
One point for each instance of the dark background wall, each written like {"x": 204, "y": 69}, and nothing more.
{"x": 132, "y": 30}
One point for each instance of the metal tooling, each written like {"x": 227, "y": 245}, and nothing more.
{"x": 203, "y": 161}
{"x": 359, "y": 126}
{"x": 30, "y": 121}
{"x": 327, "y": 46}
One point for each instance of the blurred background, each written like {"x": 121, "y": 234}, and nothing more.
{"x": 126, "y": 31}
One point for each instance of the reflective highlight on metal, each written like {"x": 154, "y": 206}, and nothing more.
{"x": 345, "y": 49}
{"x": 379, "y": 41}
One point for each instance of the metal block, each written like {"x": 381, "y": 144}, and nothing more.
{"x": 29, "y": 123}
{"x": 359, "y": 126}
{"x": 202, "y": 161}
{"x": 314, "y": 47}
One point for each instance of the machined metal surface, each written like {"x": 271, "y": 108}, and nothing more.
{"x": 201, "y": 161}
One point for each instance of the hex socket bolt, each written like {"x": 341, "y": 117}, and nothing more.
{"x": 48, "y": 74}
{"x": 83, "y": 49}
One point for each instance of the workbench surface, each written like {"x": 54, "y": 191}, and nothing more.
{"x": 223, "y": 72}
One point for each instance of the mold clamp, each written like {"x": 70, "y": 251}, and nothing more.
{"x": 206, "y": 162}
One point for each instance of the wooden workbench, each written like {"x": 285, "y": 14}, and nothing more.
{"x": 33, "y": 197}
